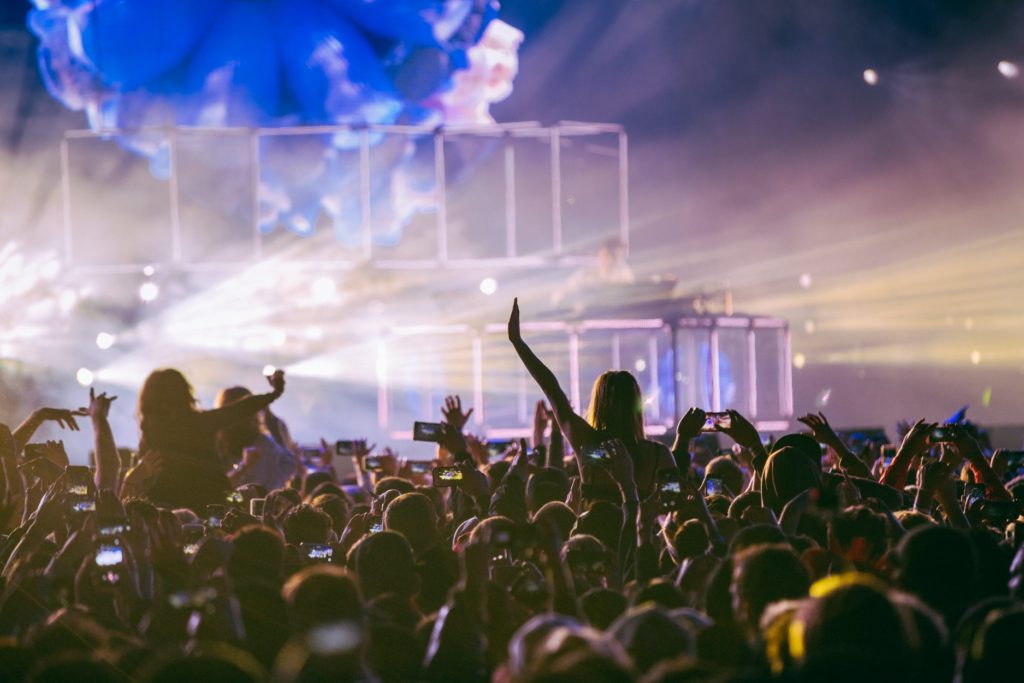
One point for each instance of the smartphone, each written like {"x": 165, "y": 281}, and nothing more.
{"x": 670, "y": 490}
{"x": 497, "y": 448}
{"x": 215, "y": 516}
{"x": 420, "y": 466}
{"x": 194, "y": 534}
{"x": 110, "y": 527}
{"x": 83, "y": 504}
{"x": 109, "y": 560}
{"x": 716, "y": 422}
{"x": 973, "y": 493}
{"x": 109, "y": 555}
{"x": 76, "y": 480}
{"x": 345, "y": 446}
{"x": 318, "y": 552}
{"x": 446, "y": 476}
{"x": 596, "y": 454}
{"x": 373, "y": 463}
{"x": 377, "y": 526}
{"x": 427, "y": 431}
{"x": 713, "y": 486}
{"x": 943, "y": 434}
{"x": 236, "y": 498}
{"x": 256, "y": 506}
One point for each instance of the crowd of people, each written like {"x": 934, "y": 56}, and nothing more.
{"x": 220, "y": 550}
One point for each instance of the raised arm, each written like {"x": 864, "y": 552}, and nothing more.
{"x": 219, "y": 418}
{"x": 573, "y": 427}
{"x": 63, "y": 417}
{"x": 108, "y": 464}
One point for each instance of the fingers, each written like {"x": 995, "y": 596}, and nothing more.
{"x": 468, "y": 413}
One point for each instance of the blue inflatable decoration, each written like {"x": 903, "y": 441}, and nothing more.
{"x": 133, "y": 65}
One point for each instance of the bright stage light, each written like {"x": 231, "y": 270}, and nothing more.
{"x": 870, "y": 76}
{"x": 488, "y": 286}
{"x": 149, "y": 271}
{"x": 640, "y": 365}
{"x": 809, "y": 326}
{"x": 1008, "y": 69}
{"x": 799, "y": 360}
{"x": 269, "y": 370}
{"x": 104, "y": 340}
{"x": 805, "y": 280}
{"x": 975, "y": 357}
{"x": 67, "y": 300}
{"x": 149, "y": 291}
{"x": 323, "y": 289}
{"x": 84, "y": 376}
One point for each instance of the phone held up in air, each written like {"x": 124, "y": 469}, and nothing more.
{"x": 670, "y": 490}
{"x": 717, "y": 422}
{"x": 446, "y": 476}
{"x": 427, "y": 431}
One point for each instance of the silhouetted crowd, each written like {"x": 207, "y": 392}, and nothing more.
{"x": 220, "y": 550}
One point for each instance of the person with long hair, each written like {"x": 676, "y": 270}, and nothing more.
{"x": 184, "y": 438}
{"x": 615, "y": 414}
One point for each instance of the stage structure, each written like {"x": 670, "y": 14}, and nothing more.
{"x": 501, "y": 198}
{"x": 366, "y": 197}
{"x": 715, "y": 362}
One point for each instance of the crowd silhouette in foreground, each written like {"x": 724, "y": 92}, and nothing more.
{"x": 222, "y": 551}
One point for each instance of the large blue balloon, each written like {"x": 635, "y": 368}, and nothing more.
{"x": 130, "y": 42}
{"x": 333, "y": 73}
{"x": 140, "y": 64}
{"x": 236, "y": 79}
{"x": 441, "y": 23}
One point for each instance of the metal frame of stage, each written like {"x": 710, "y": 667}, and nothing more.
{"x": 554, "y": 135}
{"x": 687, "y": 370}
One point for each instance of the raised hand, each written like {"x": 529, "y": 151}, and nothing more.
{"x": 542, "y": 418}
{"x": 99, "y": 406}
{"x": 452, "y": 440}
{"x": 276, "y": 381}
{"x": 452, "y": 412}
{"x": 821, "y": 430}
{"x": 916, "y": 440}
{"x": 690, "y": 424}
{"x": 62, "y": 416}
{"x": 514, "y": 334}
{"x": 743, "y": 432}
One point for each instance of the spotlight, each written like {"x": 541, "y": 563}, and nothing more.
{"x": 149, "y": 271}
{"x": 488, "y": 286}
{"x": 67, "y": 300}
{"x": 870, "y": 76}
{"x": 975, "y": 357}
{"x": 1008, "y": 69}
{"x": 805, "y": 280}
{"x": 799, "y": 360}
{"x": 104, "y": 340}
{"x": 640, "y": 365}
{"x": 149, "y": 291}
{"x": 809, "y": 326}
{"x": 84, "y": 376}
{"x": 323, "y": 289}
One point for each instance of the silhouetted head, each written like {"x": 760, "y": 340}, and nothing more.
{"x": 616, "y": 406}
{"x": 165, "y": 393}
